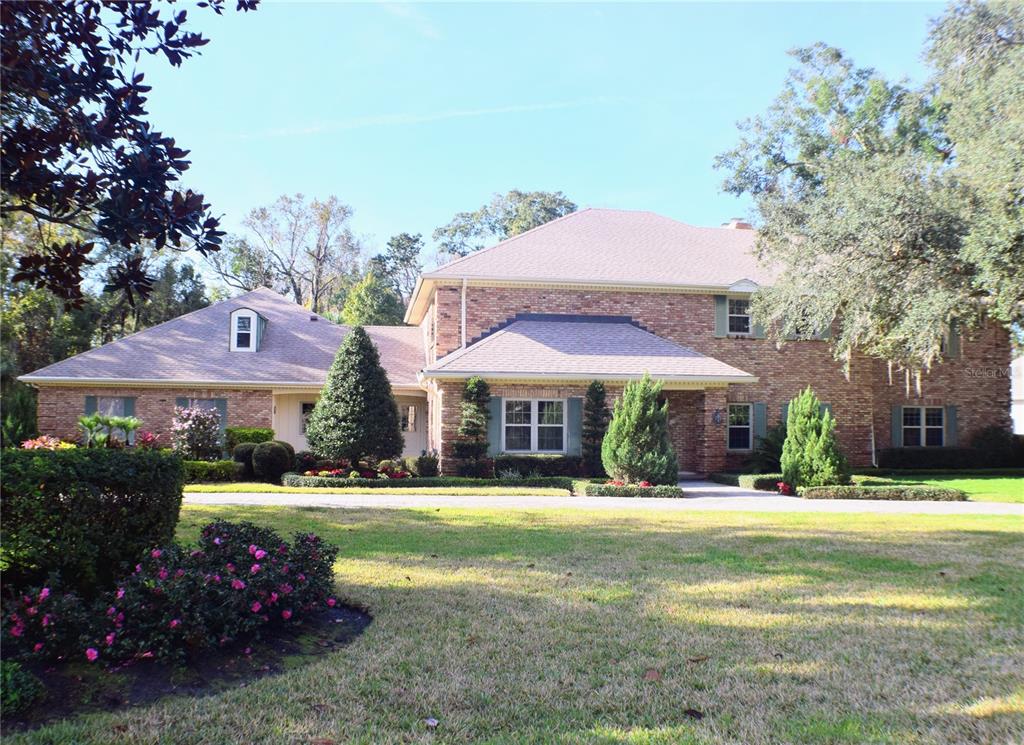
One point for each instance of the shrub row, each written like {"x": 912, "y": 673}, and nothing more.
{"x": 758, "y": 481}
{"x": 539, "y": 465}
{"x": 85, "y": 513}
{"x": 591, "y": 489}
{"x": 895, "y": 493}
{"x": 234, "y": 436}
{"x": 1008, "y": 454}
{"x": 197, "y": 471}
{"x": 335, "y": 482}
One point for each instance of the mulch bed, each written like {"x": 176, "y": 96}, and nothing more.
{"x": 73, "y": 688}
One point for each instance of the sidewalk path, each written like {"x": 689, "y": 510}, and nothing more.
{"x": 700, "y": 495}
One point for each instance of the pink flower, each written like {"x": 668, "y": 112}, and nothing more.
{"x": 91, "y": 654}
{"x": 146, "y": 655}
{"x": 217, "y": 541}
{"x": 254, "y": 568}
{"x": 252, "y": 549}
{"x": 46, "y": 619}
{"x": 180, "y": 573}
{"x": 38, "y": 647}
{"x": 31, "y": 610}
{"x": 17, "y": 630}
{"x": 120, "y": 593}
{"x": 331, "y": 602}
{"x": 260, "y": 554}
{"x": 175, "y": 623}
{"x": 286, "y": 614}
{"x": 256, "y": 606}
{"x": 156, "y": 553}
{"x": 110, "y": 639}
{"x": 273, "y": 597}
{"x": 138, "y": 568}
{"x": 111, "y": 610}
{"x": 285, "y": 588}
{"x": 216, "y": 579}
{"x": 230, "y": 567}
{"x": 237, "y": 584}
{"x": 119, "y": 620}
{"x": 44, "y": 593}
{"x": 162, "y": 574}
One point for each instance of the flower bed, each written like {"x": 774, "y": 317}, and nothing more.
{"x": 896, "y": 493}
{"x": 414, "y": 482}
{"x": 618, "y": 489}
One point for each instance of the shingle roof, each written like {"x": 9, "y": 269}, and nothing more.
{"x": 617, "y": 246}
{"x": 296, "y": 349}
{"x": 582, "y": 347}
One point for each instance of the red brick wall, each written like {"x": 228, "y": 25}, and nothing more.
{"x": 59, "y": 407}
{"x": 860, "y": 403}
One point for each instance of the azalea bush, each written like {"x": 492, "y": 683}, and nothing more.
{"x": 239, "y": 582}
{"x": 195, "y": 433}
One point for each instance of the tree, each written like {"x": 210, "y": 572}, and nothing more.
{"x": 472, "y": 442}
{"x": 595, "y": 423}
{"x": 400, "y": 264}
{"x": 372, "y": 303}
{"x": 636, "y": 447}
{"x": 860, "y": 189}
{"x": 78, "y": 151}
{"x": 504, "y": 216}
{"x": 302, "y": 248}
{"x": 810, "y": 454}
{"x": 356, "y": 416}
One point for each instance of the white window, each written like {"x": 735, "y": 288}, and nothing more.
{"x": 306, "y": 408}
{"x": 533, "y": 425}
{"x": 110, "y": 405}
{"x": 409, "y": 418}
{"x": 923, "y": 426}
{"x": 243, "y": 331}
{"x": 741, "y": 422}
{"x": 739, "y": 316}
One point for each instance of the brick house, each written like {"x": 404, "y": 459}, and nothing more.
{"x": 596, "y": 295}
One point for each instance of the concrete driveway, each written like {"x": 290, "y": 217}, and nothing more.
{"x": 700, "y": 495}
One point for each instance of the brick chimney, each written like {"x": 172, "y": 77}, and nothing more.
{"x": 737, "y": 223}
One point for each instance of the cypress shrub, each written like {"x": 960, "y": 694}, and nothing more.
{"x": 471, "y": 447}
{"x": 356, "y": 415}
{"x": 595, "y": 424}
{"x": 810, "y": 455}
{"x": 636, "y": 446}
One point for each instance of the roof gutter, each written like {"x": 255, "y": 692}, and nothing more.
{"x": 573, "y": 377}
{"x": 41, "y": 380}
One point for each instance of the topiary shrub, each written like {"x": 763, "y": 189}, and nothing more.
{"x": 636, "y": 446}
{"x": 595, "y": 424}
{"x": 291, "y": 452}
{"x": 471, "y": 445}
{"x": 810, "y": 455}
{"x": 242, "y": 454}
{"x": 200, "y": 471}
{"x": 84, "y": 513}
{"x": 270, "y": 460}
{"x": 995, "y": 447}
{"x": 235, "y": 436}
{"x": 424, "y": 465}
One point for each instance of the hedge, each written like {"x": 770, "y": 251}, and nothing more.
{"x": 543, "y": 465}
{"x": 237, "y": 435}
{"x": 895, "y": 493}
{"x": 198, "y": 471}
{"x": 85, "y": 513}
{"x": 590, "y": 489}
{"x": 425, "y": 465}
{"x": 335, "y": 482}
{"x": 962, "y": 473}
{"x": 946, "y": 459}
{"x": 758, "y": 481}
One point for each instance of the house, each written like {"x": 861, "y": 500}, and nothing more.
{"x": 596, "y": 295}
{"x": 1017, "y": 386}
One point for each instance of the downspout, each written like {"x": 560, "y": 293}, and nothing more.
{"x": 464, "y": 281}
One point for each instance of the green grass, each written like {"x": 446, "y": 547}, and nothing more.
{"x": 572, "y": 626}
{"x": 256, "y": 486}
{"x": 978, "y": 488}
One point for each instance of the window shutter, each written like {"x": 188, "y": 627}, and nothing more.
{"x": 494, "y": 426}
{"x": 129, "y": 406}
{"x": 721, "y": 316}
{"x": 181, "y": 402}
{"x": 90, "y": 405}
{"x": 949, "y": 436}
{"x": 825, "y": 407}
{"x": 574, "y": 427}
{"x": 897, "y": 426}
{"x": 760, "y": 422}
{"x": 222, "y": 410}
{"x": 756, "y": 330}
{"x": 953, "y": 342}
{"x": 785, "y": 412}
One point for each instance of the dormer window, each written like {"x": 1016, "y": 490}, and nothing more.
{"x": 244, "y": 330}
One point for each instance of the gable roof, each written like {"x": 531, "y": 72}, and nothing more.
{"x": 296, "y": 350}
{"x": 614, "y": 247}
{"x": 582, "y": 348}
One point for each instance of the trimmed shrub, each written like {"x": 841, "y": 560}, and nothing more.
{"x": 270, "y": 460}
{"x": 291, "y": 451}
{"x": 540, "y": 465}
{"x": 235, "y": 436}
{"x": 305, "y": 460}
{"x": 944, "y": 459}
{"x": 636, "y": 446}
{"x": 758, "y": 481}
{"x": 995, "y": 447}
{"x": 472, "y": 444}
{"x": 19, "y": 688}
{"x": 335, "y": 482}
{"x": 898, "y": 493}
{"x": 425, "y": 465}
{"x": 195, "y": 433}
{"x": 810, "y": 455}
{"x": 242, "y": 454}
{"x": 595, "y": 424}
{"x": 356, "y": 416}
{"x": 85, "y": 513}
{"x": 198, "y": 471}
{"x": 590, "y": 489}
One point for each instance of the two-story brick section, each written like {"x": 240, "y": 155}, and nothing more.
{"x": 597, "y": 295}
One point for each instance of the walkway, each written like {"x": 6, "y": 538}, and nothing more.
{"x": 700, "y": 495}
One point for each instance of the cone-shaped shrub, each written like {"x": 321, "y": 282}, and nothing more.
{"x": 810, "y": 455}
{"x": 356, "y": 415}
{"x": 595, "y": 424}
{"x": 636, "y": 446}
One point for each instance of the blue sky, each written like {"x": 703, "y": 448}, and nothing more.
{"x": 413, "y": 112}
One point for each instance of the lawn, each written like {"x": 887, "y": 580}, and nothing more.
{"x": 999, "y": 488}
{"x": 257, "y": 486}
{"x": 637, "y": 627}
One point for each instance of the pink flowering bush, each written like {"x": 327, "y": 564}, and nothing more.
{"x": 240, "y": 581}
{"x": 195, "y": 433}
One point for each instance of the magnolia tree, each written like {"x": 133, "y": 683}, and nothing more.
{"x": 636, "y": 447}
{"x": 195, "y": 433}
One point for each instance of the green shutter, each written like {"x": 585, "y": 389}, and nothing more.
{"x": 897, "y": 426}
{"x": 181, "y": 402}
{"x": 574, "y": 427}
{"x": 494, "y": 426}
{"x": 90, "y": 405}
{"x": 785, "y": 413}
{"x": 129, "y": 406}
{"x": 950, "y": 439}
{"x": 760, "y": 421}
{"x": 953, "y": 342}
{"x": 825, "y": 407}
{"x": 721, "y": 316}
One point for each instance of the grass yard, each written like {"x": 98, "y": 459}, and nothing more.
{"x": 258, "y": 486}
{"x": 979, "y": 488}
{"x": 637, "y": 627}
